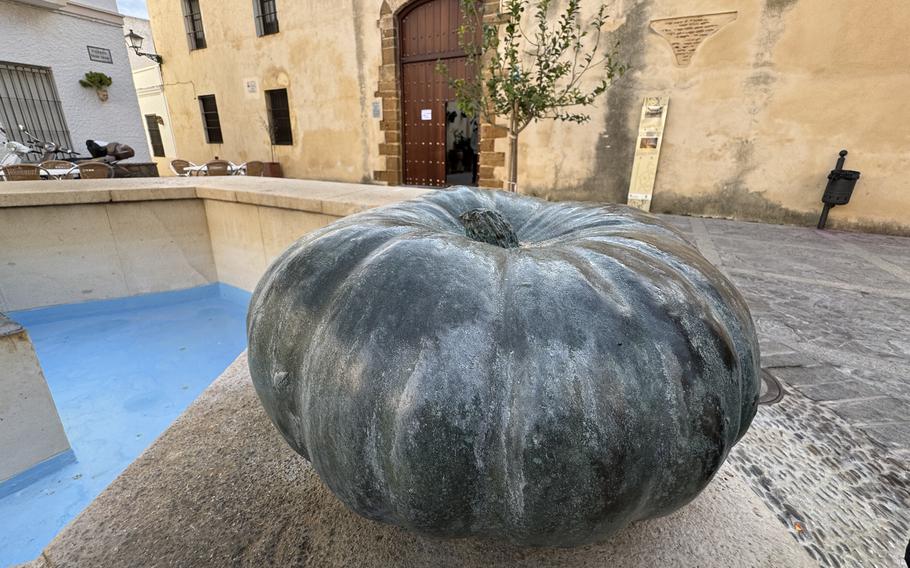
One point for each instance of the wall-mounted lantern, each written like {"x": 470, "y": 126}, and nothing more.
{"x": 134, "y": 42}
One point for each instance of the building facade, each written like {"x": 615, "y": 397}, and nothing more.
{"x": 156, "y": 119}
{"x": 762, "y": 96}
{"x": 46, "y": 47}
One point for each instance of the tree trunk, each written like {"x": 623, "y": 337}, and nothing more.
{"x": 512, "y": 183}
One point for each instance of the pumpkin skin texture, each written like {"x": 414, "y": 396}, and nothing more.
{"x": 546, "y": 394}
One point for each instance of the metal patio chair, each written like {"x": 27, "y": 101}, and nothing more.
{"x": 218, "y": 168}
{"x": 21, "y": 172}
{"x": 179, "y": 167}
{"x": 95, "y": 170}
{"x": 254, "y": 168}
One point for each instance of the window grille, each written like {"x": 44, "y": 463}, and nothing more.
{"x": 279, "y": 117}
{"x": 192, "y": 16}
{"x": 210, "y": 120}
{"x": 152, "y": 124}
{"x": 266, "y": 12}
{"x": 28, "y": 96}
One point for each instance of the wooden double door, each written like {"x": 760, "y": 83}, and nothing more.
{"x": 428, "y": 34}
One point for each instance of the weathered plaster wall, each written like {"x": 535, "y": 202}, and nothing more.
{"x": 755, "y": 122}
{"x": 757, "y": 119}
{"x": 27, "y": 411}
{"x": 58, "y": 39}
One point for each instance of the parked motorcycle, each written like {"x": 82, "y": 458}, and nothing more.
{"x": 12, "y": 152}
{"x": 111, "y": 153}
{"x": 37, "y": 151}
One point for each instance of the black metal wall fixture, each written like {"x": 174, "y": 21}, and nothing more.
{"x": 840, "y": 187}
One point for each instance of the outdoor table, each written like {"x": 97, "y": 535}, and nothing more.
{"x": 58, "y": 172}
{"x": 202, "y": 169}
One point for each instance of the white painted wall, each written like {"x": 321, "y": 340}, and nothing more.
{"x": 109, "y": 5}
{"x": 150, "y": 90}
{"x": 58, "y": 39}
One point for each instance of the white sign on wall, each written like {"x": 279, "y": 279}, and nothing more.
{"x": 426, "y": 114}
{"x": 251, "y": 88}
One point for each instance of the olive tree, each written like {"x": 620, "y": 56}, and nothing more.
{"x": 532, "y": 65}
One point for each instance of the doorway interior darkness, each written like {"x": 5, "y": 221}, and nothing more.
{"x": 440, "y": 144}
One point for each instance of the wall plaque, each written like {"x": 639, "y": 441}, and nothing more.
{"x": 100, "y": 54}
{"x": 251, "y": 88}
{"x": 686, "y": 33}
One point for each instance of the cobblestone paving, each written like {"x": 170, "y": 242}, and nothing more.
{"x": 832, "y": 459}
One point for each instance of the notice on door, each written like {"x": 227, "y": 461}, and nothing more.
{"x": 426, "y": 114}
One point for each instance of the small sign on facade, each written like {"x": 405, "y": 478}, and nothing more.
{"x": 251, "y": 88}
{"x": 426, "y": 114}
{"x": 100, "y": 54}
{"x": 377, "y": 109}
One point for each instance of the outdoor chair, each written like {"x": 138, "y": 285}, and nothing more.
{"x": 58, "y": 165}
{"x": 179, "y": 167}
{"x": 21, "y": 172}
{"x": 254, "y": 168}
{"x": 95, "y": 170}
{"x": 218, "y": 168}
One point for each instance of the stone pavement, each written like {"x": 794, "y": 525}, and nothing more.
{"x": 832, "y": 309}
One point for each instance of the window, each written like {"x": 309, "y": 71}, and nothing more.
{"x": 279, "y": 117}
{"x": 151, "y": 123}
{"x": 210, "y": 119}
{"x": 266, "y": 12}
{"x": 192, "y": 17}
{"x": 28, "y": 96}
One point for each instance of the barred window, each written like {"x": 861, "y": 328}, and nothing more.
{"x": 266, "y": 12}
{"x": 210, "y": 120}
{"x": 279, "y": 117}
{"x": 28, "y": 96}
{"x": 192, "y": 16}
{"x": 152, "y": 124}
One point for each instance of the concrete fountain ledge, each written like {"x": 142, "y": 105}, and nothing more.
{"x": 221, "y": 488}
{"x": 328, "y": 198}
{"x": 79, "y": 240}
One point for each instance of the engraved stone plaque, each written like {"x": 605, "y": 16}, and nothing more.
{"x": 686, "y": 33}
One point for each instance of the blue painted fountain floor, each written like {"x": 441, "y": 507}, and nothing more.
{"x": 120, "y": 371}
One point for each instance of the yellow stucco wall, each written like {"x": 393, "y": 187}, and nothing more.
{"x": 755, "y": 121}
{"x": 315, "y": 56}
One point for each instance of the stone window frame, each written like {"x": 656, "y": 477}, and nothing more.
{"x": 491, "y": 163}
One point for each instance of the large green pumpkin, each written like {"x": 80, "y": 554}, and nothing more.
{"x": 564, "y": 370}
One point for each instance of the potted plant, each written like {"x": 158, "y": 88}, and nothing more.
{"x": 98, "y": 81}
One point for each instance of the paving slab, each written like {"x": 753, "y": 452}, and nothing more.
{"x": 221, "y": 488}
{"x": 832, "y": 310}
{"x": 804, "y": 376}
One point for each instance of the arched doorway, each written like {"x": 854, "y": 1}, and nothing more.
{"x": 439, "y": 143}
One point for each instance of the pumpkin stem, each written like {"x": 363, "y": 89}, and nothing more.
{"x": 488, "y": 226}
